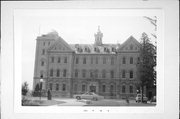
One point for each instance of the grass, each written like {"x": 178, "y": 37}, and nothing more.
{"x": 37, "y": 102}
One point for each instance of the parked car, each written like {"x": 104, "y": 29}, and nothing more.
{"x": 88, "y": 95}
{"x": 139, "y": 97}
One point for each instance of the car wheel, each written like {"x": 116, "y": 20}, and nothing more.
{"x": 78, "y": 97}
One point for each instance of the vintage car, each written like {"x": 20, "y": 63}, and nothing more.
{"x": 139, "y": 97}
{"x": 88, "y": 95}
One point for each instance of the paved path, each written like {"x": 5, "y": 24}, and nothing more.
{"x": 70, "y": 102}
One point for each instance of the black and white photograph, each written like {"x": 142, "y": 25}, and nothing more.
{"x": 87, "y": 58}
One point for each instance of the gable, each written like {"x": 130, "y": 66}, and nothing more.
{"x": 60, "y": 45}
{"x": 131, "y": 44}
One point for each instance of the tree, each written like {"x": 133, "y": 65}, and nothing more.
{"x": 147, "y": 62}
{"x": 25, "y": 88}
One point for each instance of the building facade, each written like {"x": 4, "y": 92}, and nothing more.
{"x": 67, "y": 69}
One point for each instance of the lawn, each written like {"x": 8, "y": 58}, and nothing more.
{"x": 38, "y": 102}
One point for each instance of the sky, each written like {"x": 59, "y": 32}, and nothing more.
{"x": 76, "y": 29}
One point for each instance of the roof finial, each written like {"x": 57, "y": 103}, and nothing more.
{"x": 98, "y": 28}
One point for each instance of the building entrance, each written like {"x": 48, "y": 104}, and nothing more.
{"x": 93, "y": 89}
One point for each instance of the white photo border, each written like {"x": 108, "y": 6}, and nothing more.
{"x": 11, "y": 97}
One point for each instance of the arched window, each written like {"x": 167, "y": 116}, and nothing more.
{"x": 77, "y": 60}
{"x": 123, "y": 89}
{"x": 64, "y": 87}
{"x": 50, "y": 86}
{"x": 84, "y": 73}
{"x": 104, "y": 60}
{"x": 42, "y": 63}
{"x": 65, "y": 59}
{"x": 104, "y": 88}
{"x": 123, "y": 74}
{"x": 131, "y": 74}
{"x": 111, "y": 88}
{"x": 112, "y": 74}
{"x": 104, "y": 74}
{"x": 112, "y": 60}
{"x": 124, "y": 60}
{"x": 130, "y": 89}
{"x": 83, "y": 88}
{"x": 76, "y": 73}
{"x": 96, "y": 60}
{"x": 43, "y": 51}
{"x": 52, "y": 59}
{"x": 131, "y": 60}
{"x": 58, "y": 73}
{"x": 96, "y": 73}
{"x": 59, "y": 59}
{"x": 51, "y": 72}
{"x": 57, "y": 87}
{"x": 75, "y": 87}
{"x": 84, "y": 60}
{"x": 64, "y": 73}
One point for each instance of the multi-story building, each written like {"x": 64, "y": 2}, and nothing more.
{"x": 106, "y": 69}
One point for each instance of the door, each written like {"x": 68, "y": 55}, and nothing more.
{"x": 93, "y": 89}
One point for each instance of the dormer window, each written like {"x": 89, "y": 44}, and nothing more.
{"x": 113, "y": 49}
{"x": 106, "y": 49}
{"x": 96, "y": 49}
{"x": 131, "y": 47}
{"x": 87, "y": 49}
{"x": 79, "y": 49}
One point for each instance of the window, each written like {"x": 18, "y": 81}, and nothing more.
{"x": 138, "y": 60}
{"x": 91, "y": 60}
{"x": 104, "y": 60}
{"x": 123, "y": 89}
{"x": 131, "y": 89}
{"x": 91, "y": 74}
{"x": 43, "y": 51}
{"x": 51, "y": 72}
{"x": 42, "y": 63}
{"x": 123, "y": 74}
{"x": 76, "y": 73}
{"x": 112, "y": 74}
{"x": 75, "y": 87}
{"x": 83, "y": 73}
{"x": 57, "y": 87}
{"x": 131, "y": 47}
{"x": 96, "y": 60}
{"x": 48, "y": 43}
{"x": 96, "y": 73}
{"x": 77, "y": 60}
{"x": 59, "y": 59}
{"x": 111, "y": 88}
{"x": 44, "y": 43}
{"x": 104, "y": 74}
{"x": 50, "y": 86}
{"x": 131, "y": 60}
{"x": 65, "y": 59}
{"x": 112, "y": 60}
{"x": 104, "y": 88}
{"x": 58, "y": 73}
{"x": 52, "y": 59}
{"x": 64, "y": 73}
{"x": 131, "y": 74}
{"x": 124, "y": 60}
{"x": 83, "y": 88}
{"x": 84, "y": 60}
{"x": 63, "y": 87}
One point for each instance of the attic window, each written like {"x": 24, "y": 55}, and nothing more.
{"x": 87, "y": 49}
{"x": 113, "y": 49}
{"x": 96, "y": 49}
{"x": 131, "y": 47}
{"x": 79, "y": 49}
{"x": 106, "y": 49}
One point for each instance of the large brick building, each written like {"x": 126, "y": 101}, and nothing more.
{"x": 67, "y": 69}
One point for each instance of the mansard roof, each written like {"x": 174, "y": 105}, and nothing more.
{"x": 94, "y": 49}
